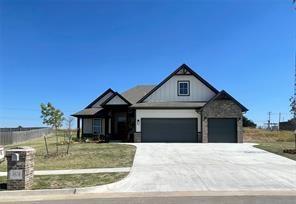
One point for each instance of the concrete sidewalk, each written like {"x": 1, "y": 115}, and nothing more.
{"x": 78, "y": 171}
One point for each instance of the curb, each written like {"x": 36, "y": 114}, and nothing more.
{"x": 70, "y": 195}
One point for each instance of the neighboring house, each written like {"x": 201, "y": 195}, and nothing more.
{"x": 182, "y": 108}
{"x": 289, "y": 125}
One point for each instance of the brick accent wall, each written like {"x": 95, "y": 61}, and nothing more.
{"x": 25, "y": 164}
{"x": 222, "y": 108}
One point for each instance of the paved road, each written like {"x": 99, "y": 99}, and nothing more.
{"x": 177, "y": 200}
{"x": 205, "y": 167}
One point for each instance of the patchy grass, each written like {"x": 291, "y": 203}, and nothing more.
{"x": 81, "y": 155}
{"x": 278, "y": 148}
{"x": 73, "y": 181}
{"x": 272, "y": 141}
{"x": 259, "y": 135}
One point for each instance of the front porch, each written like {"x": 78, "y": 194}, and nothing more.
{"x": 112, "y": 122}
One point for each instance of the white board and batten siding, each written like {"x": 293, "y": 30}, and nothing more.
{"x": 88, "y": 126}
{"x": 166, "y": 113}
{"x": 169, "y": 90}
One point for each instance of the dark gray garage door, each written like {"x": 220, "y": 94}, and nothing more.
{"x": 169, "y": 130}
{"x": 222, "y": 130}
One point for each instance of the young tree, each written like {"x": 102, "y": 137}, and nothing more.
{"x": 52, "y": 117}
{"x": 293, "y": 112}
{"x": 248, "y": 123}
{"x": 293, "y": 107}
{"x": 69, "y": 122}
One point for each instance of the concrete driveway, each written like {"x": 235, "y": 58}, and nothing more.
{"x": 205, "y": 167}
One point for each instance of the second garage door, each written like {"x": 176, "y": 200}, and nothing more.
{"x": 169, "y": 130}
{"x": 222, "y": 130}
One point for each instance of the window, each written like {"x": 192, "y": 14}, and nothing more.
{"x": 183, "y": 88}
{"x": 97, "y": 126}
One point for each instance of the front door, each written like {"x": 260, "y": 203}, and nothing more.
{"x": 119, "y": 130}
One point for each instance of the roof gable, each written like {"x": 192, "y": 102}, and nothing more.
{"x": 101, "y": 99}
{"x": 223, "y": 95}
{"x": 116, "y": 99}
{"x": 182, "y": 70}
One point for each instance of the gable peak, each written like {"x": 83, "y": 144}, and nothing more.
{"x": 183, "y": 69}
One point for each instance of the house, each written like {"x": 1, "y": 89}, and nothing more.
{"x": 289, "y": 125}
{"x": 182, "y": 108}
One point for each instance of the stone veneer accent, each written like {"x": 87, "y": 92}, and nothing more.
{"x": 25, "y": 164}
{"x": 137, "y": 137}
{"x": 222, "y": 108}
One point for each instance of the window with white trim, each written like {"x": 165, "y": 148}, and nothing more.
{"x": 97, "y": 126}
{"x": 183, "y": 88}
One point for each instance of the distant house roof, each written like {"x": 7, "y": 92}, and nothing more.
{"x": 136, "y": 93}
{"x": 88, "y": 112}
{"x": 169, "y": 105}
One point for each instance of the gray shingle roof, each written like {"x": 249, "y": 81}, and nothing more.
{"x": 169, "y": 105}
{"x": 88, "y": 112}
{"x": 134, "y": 94}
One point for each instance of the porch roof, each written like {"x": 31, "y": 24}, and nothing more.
{"x": 88, "y": 112}
{"x": 169, "y": 105}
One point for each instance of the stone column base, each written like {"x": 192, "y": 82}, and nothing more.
{"x": 137, "y": 136}
{"x": 20, "y": 168}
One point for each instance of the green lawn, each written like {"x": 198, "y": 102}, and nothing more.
{"x": 272, "y": 141}
{"x": 81, "y": 155}
{"x": 73, "y": 181}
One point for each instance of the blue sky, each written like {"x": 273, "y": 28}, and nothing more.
{"x": 68, "y": 52}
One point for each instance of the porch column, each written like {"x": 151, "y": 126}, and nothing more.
{"x": 78, "y": 128}
{"x": 106, "y": 125}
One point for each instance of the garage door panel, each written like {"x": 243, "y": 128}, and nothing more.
{"x": 169, "y": 130}
{"x": 223, "y": 130}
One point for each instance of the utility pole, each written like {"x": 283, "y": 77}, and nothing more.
{"x": 279, "y": 121}
{"x": 268, "y": 122}
{"x": 294, "y": 97}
